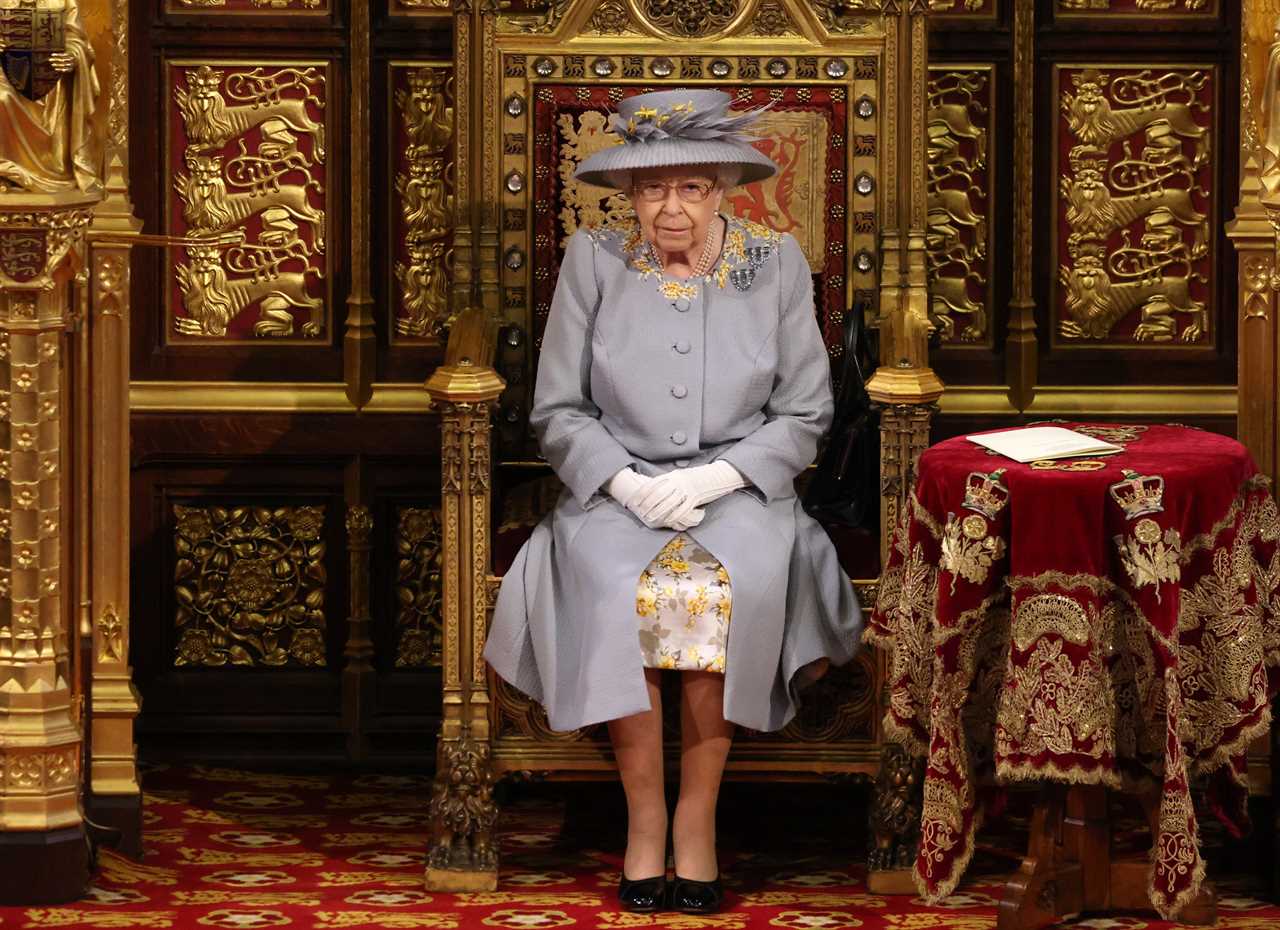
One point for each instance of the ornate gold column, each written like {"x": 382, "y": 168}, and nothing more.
{"x": 904, "y": 385}
{"x": 43, "y": 850}
{"x": 462, "y": 854}
{"x": 1254, "y": 233}
{"x": 114, "y": 795}
{"x": 904, "y": 375}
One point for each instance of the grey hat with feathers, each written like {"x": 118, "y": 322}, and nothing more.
{"x": 669, "y": 128}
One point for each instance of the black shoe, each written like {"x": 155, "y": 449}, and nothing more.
{"x": 691, "y": 897}
{"x": 644, "y": 895}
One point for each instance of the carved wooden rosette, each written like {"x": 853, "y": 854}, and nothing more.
{"x": 39, "y": 735}
{"x": 249, "y": 584}
{"x": 461, "y": 855}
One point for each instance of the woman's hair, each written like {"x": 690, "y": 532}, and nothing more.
{"x": 726, "y": 175}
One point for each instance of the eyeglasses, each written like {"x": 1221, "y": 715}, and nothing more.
{"x": 687, "y": 191}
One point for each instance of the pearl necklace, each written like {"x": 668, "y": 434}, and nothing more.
{"x": 704, "y": 259}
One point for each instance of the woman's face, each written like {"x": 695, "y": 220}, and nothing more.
{"x": 677, "y": 221}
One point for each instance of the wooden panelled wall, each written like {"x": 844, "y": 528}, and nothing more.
{"x": 285, "y": 468}
{"x": 1083, "y": 161}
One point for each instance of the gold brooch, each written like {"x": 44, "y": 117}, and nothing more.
{"x": 1078, "y": 465}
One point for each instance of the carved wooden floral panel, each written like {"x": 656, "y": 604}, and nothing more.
{"x": 246, "y": 170}
{"x": 421, "y": 153}
{"x": 249, "y": 583}
{"x": 419, "y": 588}
{"x": 1134, "y": 206}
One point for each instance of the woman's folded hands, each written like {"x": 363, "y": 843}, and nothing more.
{"x": 675, "y": 499}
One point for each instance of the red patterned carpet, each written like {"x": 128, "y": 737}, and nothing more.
{"x": 235, "y": 849}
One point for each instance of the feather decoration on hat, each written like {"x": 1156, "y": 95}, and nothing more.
{"x": 682, "y": 121}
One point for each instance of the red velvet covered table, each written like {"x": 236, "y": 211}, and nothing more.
{"x": 1116, "y": 625}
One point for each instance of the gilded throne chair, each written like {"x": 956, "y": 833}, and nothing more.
{"x": 841, "y": 79}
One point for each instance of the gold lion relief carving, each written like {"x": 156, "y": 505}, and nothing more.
{"x": 1135, "y": 199}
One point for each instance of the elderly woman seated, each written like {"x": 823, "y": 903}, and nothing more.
{"x": 682, "y": 386}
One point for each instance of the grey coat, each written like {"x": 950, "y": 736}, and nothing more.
{"x": 642, "y": 370}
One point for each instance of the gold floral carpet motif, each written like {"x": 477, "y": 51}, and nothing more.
{"x": 245, "y": 850}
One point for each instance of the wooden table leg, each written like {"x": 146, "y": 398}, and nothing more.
{"x": 1046, "y": 885}
{"x": 1068, "y": 869}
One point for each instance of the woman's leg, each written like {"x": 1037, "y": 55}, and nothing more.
{"x": 637, "y": 745}
{"x": 705, "y": 737}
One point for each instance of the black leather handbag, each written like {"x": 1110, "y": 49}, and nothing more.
{"x": 845, "y": 486}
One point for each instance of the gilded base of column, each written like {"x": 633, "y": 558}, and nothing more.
{"x": 457, "y": 881}
{"x": 122, "y": 815}
{"x": 113, "y": 794}
{"x": 44, "y": 867}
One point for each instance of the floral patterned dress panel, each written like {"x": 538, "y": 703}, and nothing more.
{"x": 683, "y": 602}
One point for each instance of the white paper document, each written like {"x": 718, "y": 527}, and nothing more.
{"x": 1037, "y": 443}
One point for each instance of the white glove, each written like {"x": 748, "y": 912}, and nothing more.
{"x": 633, "y": 491}
{"x": 698, "y": 486}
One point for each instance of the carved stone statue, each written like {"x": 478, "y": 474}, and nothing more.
{"x": 48, "y": 92}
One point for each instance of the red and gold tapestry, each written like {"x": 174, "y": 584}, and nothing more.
{"x": 1114, "y": 622}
